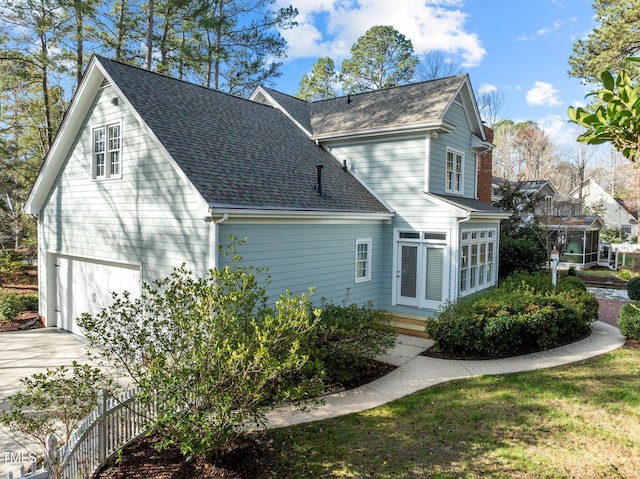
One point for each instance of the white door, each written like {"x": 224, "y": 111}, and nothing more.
{"x": 85, "y": 286}
{"x": 422, "y": 275}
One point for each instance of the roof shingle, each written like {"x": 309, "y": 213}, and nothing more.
{"x": 238, "y": 153}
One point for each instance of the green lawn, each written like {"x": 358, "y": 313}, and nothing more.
{"x": 579, "y": 421}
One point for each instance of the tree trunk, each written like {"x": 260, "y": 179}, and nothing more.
{"x": 149, "y": 36}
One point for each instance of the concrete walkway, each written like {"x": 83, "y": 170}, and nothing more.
{"x": 27, "y": 352}
{"x": 417, "y": 372}
{"x": 23, "y": 353}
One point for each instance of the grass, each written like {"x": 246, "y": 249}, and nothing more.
{"x": 581, "y": 421}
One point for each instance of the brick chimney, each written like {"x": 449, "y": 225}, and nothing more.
{"x": 485, "y": 167}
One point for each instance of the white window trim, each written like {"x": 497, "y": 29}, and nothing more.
{"x": 107, "y": 157}
{"x": 367, "y": 277}
{"x": 470, "y": 241}
{"x": 454, "y": 152}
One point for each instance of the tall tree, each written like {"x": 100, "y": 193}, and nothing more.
{"x": 240, "y": 43}
{"x": 490, "y": 104}
{"x": 37, "y": 27}
{"x": 614, "y": 39}
{"x": 381, "y": 58}
{"x": 535, "y": 149}
{"x": 318, "y": 83}
{"x": 435, "y": 64}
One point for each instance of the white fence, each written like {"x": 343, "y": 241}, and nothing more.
{"x": 110, "y": 426}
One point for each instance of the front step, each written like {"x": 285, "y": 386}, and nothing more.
{"x": 409, "y": 325}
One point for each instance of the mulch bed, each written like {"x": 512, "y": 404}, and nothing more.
{"x": 25, "y": 320}
{"x": 252, "y": 456}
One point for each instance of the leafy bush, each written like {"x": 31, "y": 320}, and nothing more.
{"x": 572, "y": 270}
{"x": 209, "y": 353}
{"x": 347, "y": 338}
{"x": 12, "y": 267}
{"x": 571, "y": 283}
{"x": 12, "y": 304}
{"x": 629, "y": 321}
{"x": 55, "y": 402}
{"x": 633, "y": 288}
{"x": 624, "y": 274}
{"x": 523, "y": 314}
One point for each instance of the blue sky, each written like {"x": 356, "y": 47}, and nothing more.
{"x": 520, "y": 47}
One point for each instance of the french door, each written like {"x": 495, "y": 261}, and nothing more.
{"x": 422, "y": 274}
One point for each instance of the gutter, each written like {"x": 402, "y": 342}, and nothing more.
{"x": 213, "y": 237}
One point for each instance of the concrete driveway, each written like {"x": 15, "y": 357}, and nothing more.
{"x": 23, "y": 353}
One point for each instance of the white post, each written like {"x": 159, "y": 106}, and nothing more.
{"x": 102, "y": 427}
{"x": 555, "y": 256}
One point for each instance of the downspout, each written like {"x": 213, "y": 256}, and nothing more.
{"x": 213, "y": 237}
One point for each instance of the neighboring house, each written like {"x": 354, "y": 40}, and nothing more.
{"x": 575, "y": 235}
{"x": 371, "y": 197}
{"x": 620, "y": 214}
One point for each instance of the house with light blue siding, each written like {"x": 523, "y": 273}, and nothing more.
{"x": 365, "y": 198}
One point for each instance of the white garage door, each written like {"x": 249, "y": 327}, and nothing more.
{"x": 85, "y": 286}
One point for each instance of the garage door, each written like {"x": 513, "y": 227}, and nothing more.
{"x": 85, "y": 286}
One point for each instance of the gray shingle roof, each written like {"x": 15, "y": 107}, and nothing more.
{"x": 405, "y": 105}
{"x": 238, "y": 153}
{"x": 391, "y": 107}
{"x": 470, "y": 204}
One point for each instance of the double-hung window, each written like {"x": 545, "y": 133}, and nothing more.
{"x": 454, "y": 173}
{"x": 107, "y": 151}
{"x": 363, "y": 260}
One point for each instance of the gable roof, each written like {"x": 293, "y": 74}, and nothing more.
{"x": 403, "y": 108}
{"x": 235, "y": 153}
{"x": 631, "y": 205}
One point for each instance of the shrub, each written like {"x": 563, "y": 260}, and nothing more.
{"x": 624, "y": 274}
{"x": 12, "y": 304}
{"x": 209, "y": 353}
{"x": 55, "y": 402}
{"x": 633, "y": 288}
{"x": 629, "y": 321}
{"x": 572, "y": 270}
{"x": 571, "y": 283}
{"x": 347, "y": 338}
{"x": 523, "y": 314}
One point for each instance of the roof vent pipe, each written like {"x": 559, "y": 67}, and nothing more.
{"x": 319, "y": 181}
{"x": 344, "y": 165}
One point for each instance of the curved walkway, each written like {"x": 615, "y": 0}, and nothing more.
{"x": 26, "y": 352}
{"x": 417, "y": 372}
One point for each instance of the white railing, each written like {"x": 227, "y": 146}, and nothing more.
{"x": 110, "y": 426}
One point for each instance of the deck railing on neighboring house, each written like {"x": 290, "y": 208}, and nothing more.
{"x": 110, "y": 426}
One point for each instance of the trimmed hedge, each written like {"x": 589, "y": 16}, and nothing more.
{"x": 524, "y": 314}
{"x": 633, "y": 288}
{"x": 12, "y": 304}
{"x": 629, "y": 320}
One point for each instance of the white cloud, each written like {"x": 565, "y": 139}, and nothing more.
{"x": 487, "y": 88}
{"x": 559, "y": 129}
{"x": 543, "y": 94}
{"x": 330, "y": 27}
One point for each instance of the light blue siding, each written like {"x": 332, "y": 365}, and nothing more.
{"x": 459, "y": 140}
{"x": 318, "y": 255}
{"x": 395, "y": 169}
{"x": 149, "y": 216}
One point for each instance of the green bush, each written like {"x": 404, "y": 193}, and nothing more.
{"x": 12, "y": 304}
{"x": 571, "y": 283}
{"x": 347, "y": 338}
{"x": 209, "y": 354}
{"x": 629, "y": 321}
{"x": 523, "y": 314}
{"x": 633, "y": 288}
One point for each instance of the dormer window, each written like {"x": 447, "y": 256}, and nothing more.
{"x": 454, "y": 178}
{"x": 107, "y": 151}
